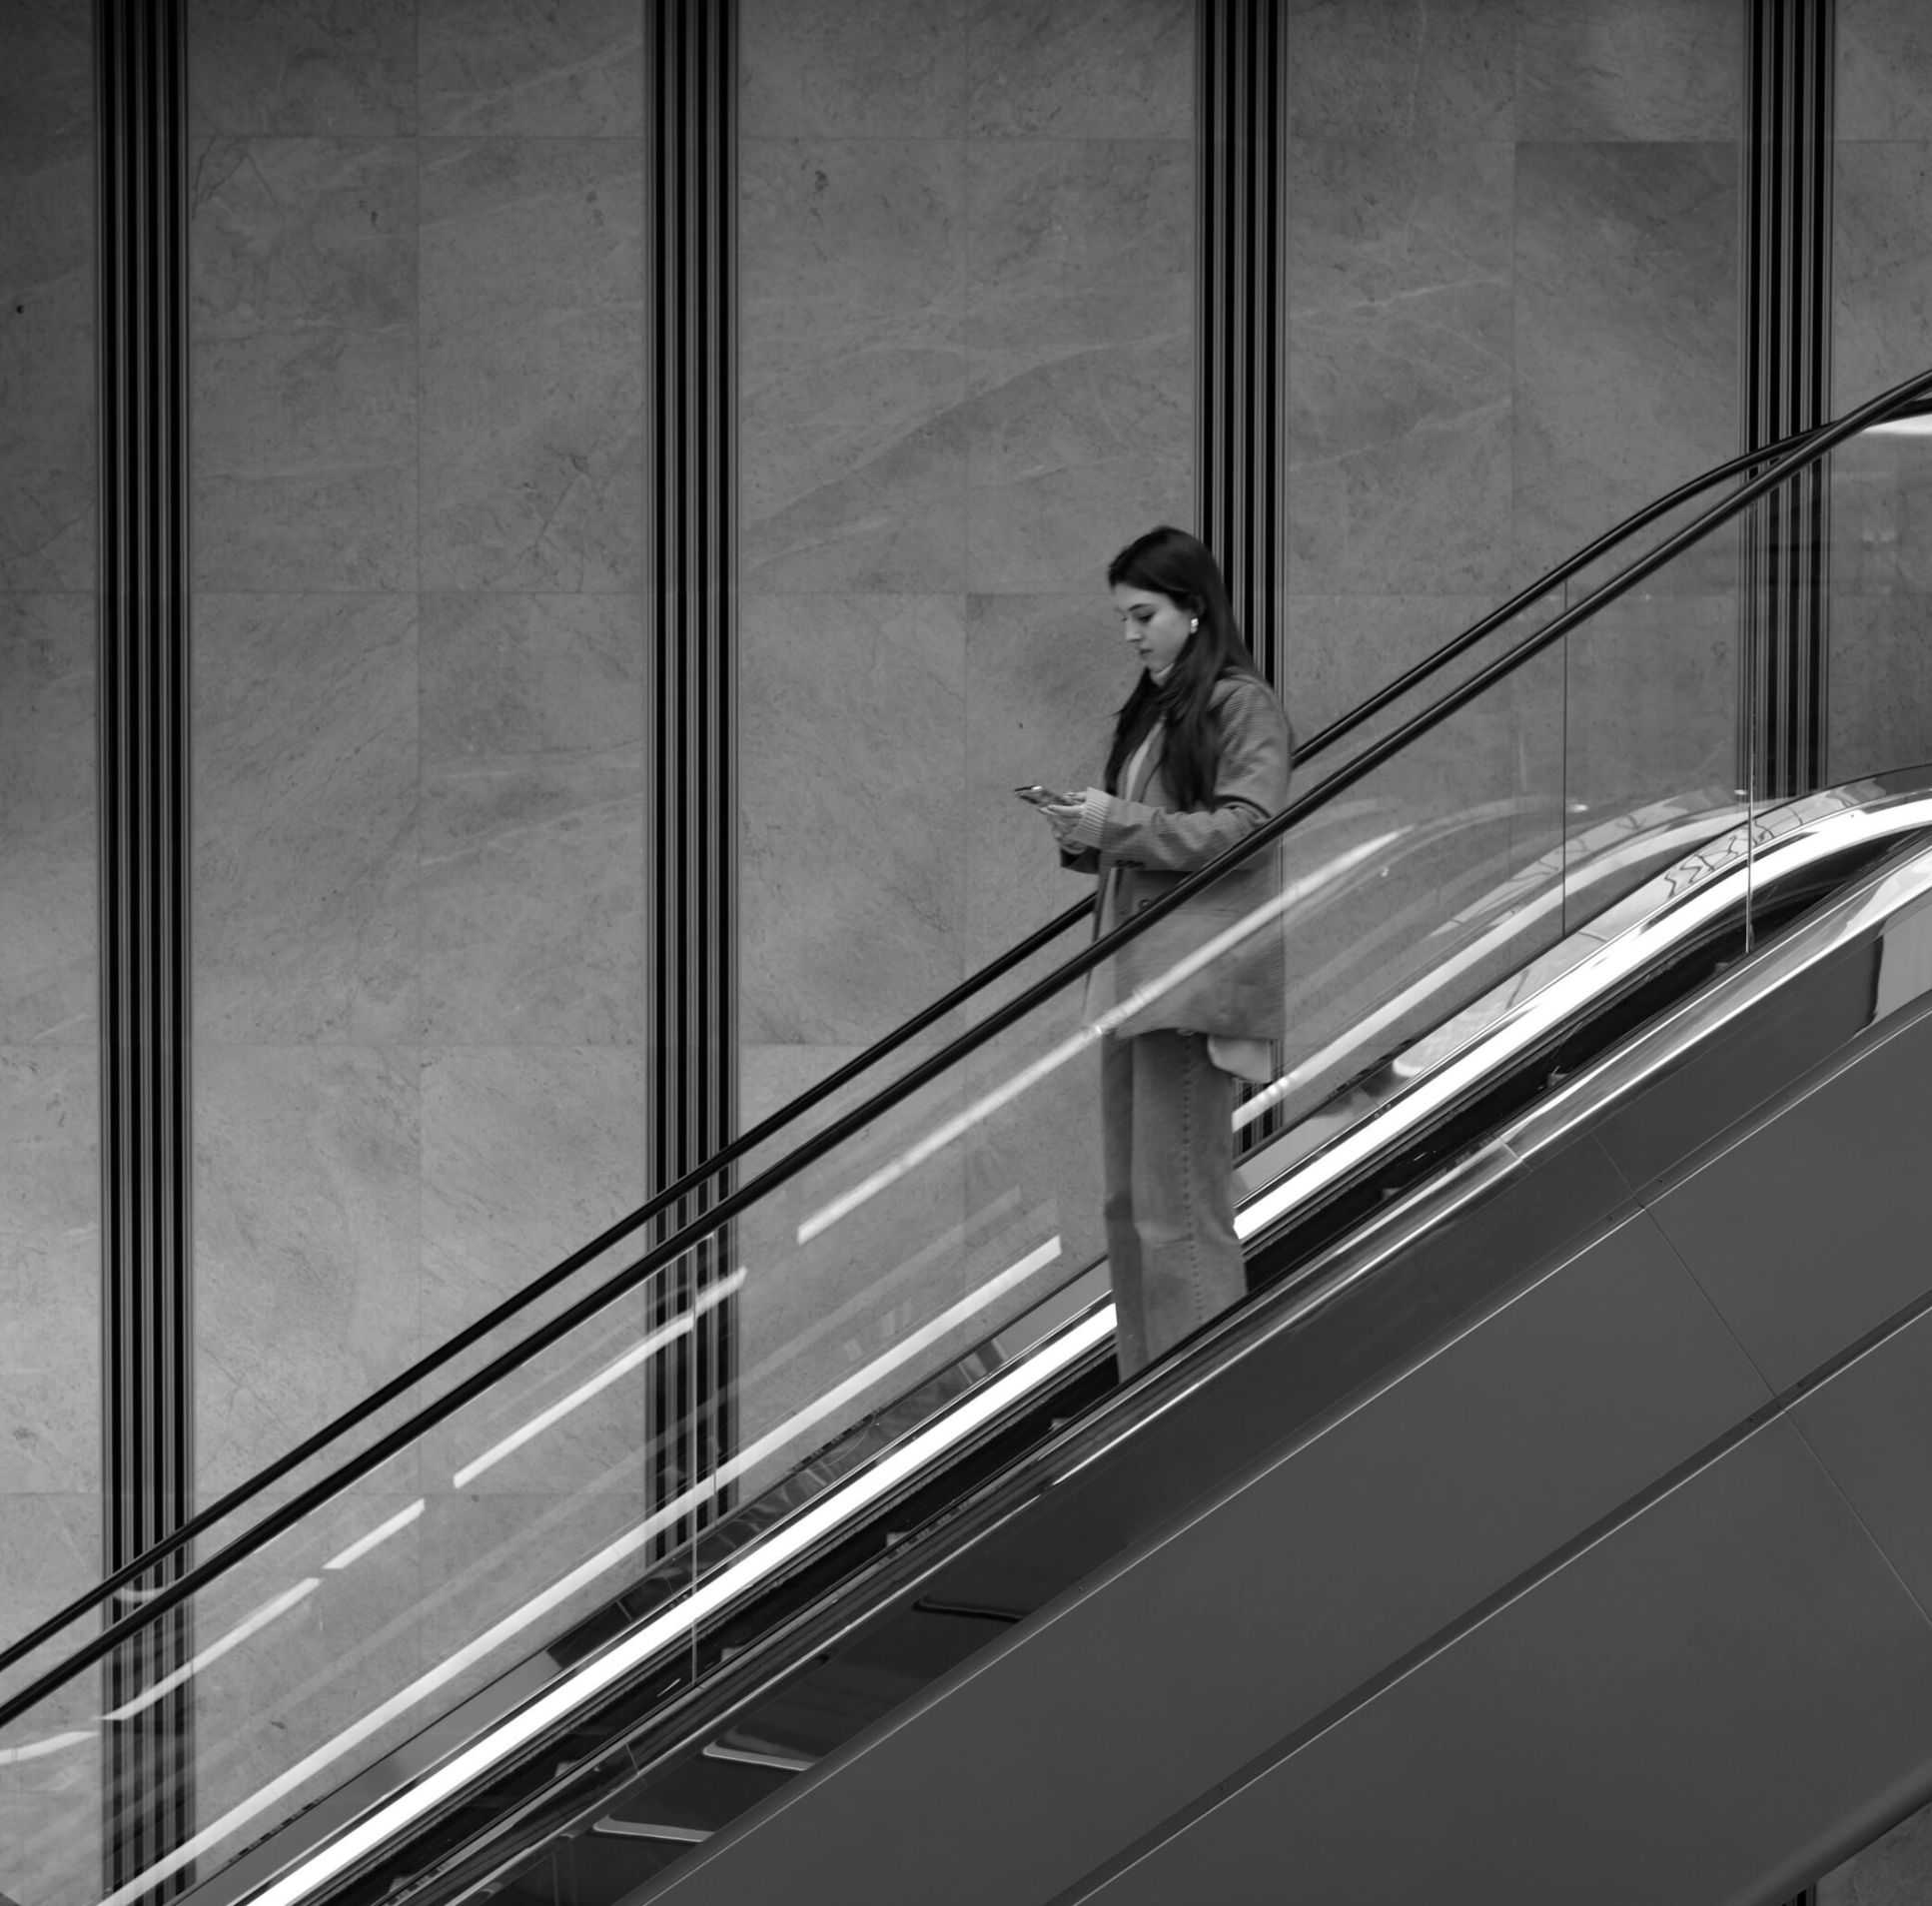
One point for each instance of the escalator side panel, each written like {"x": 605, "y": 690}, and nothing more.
{"x": 1703, "y": 1706}
{"x": 1089, "y": 1720}
{"x": 1871, "y": 1426}
{"x": 1526, "y": 1225}
{"x": 1799, "y": 1276}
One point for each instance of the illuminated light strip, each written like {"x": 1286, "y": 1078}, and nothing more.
{"x": 1504, "y": 929}
{"x": 37, "y": 1749}
{"x": 586, "y": 1572}
{"x": 624, "y": 1364}
{"x": 380, "y": 1534}
{"x": 1615, "y": 961}
{"x": 234, "y": 1638}
{"x": 1071, "y": 1048}
{"x": 895, "y": 1466}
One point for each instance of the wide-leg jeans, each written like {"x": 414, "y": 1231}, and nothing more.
{"x": 1167, "y": 1149}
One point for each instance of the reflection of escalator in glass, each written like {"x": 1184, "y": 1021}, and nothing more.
{"x": 921, "y": 1426}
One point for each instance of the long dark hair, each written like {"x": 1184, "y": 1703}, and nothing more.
{"x": 1168, "y": 561}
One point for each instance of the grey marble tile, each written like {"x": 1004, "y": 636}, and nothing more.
{"x": 305, "y": 798}
{"x": 47, "y": 506}
{"x": 50, "y": 1803}
{"x": 534, "y": 853}
{"x": 1626, "y": 338}
{"x": 54, "y": 1842}
{"x": 1343, "y": 648}
{"x": 1110, "y": 69}
{"x": 852, "y": 267}
{"x": 48, "y": 84}
{"x": 531, "y": 680}
{"x": 851, "y": 728}
{"x": 1880, "y": 683}
{"x": 528, "y": 1153}
{"x": 1630, "y": 69}
{"x": 301, "y": 67}
{"x": 1076, "y": 245}
{"x": 303, "y": 364}
{"x": 306, "y": 1187}
{"x": 771, "y": 1075}
{"x": 1080, "y": 355}
{"x": 533, "y": 905}
{"x": 852, "y": 69}
{"x": 533, "y": 364}
{"x": 1398, "y": 367}
{"x": 1650, "y": 702}
{"x": 49, "y": 1271}
{"x": 1415, "y": 69}
{"x": 1074, "y": 457}
{"x": 1881, "y": 278}
{"x": 49, "y": 845}
{"x": 1884, "y": 70}
{"x": 1881, "y": 514}
{"x": 1044, "y": 676}
{"x": 561, "y": 71}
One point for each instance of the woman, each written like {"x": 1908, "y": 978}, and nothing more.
{"x": 1199, "y": 758}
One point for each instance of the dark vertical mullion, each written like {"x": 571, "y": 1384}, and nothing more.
{"x": 147, "y": 1318}
{"x": 691, "y": 999}
{"x": 1786, "y": 351}
{"x": 1241, "y": 241}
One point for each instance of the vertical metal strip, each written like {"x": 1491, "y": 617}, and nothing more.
{"x": 692, "y": 883}
{"x": 147, "y": 1297}
{"x": 1241, "y": 255}
{"x": 1786, "y": 386}
{"x": 1241, "y": 318}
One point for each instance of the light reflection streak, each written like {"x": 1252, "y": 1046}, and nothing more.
{"x": 234, "y": 1638}
{"x": 647, "y": 1347}
{"x": 380, "y": 1534}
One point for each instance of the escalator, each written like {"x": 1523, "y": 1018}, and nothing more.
{"x": 1543, "y": 1526}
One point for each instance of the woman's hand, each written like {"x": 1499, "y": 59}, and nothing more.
{"x": 1063, "y": 819}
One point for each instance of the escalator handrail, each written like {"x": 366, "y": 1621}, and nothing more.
{"x": 1809, "y": 448}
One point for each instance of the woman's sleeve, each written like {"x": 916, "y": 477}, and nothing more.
{"x": 1251, "y": 784}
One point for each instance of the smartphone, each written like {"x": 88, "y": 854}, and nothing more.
{"x": 1045, "y": 796}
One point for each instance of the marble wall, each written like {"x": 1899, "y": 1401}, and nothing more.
{"x": 1881, "y": 578}
{"x": 1513, "y": 318}
{"x": 418, "y": 637}
{"x": 49, "y": 1065}
{"x": 419, "y": 646}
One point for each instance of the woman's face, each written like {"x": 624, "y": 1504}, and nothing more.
{"x": 1156, "y": 626}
